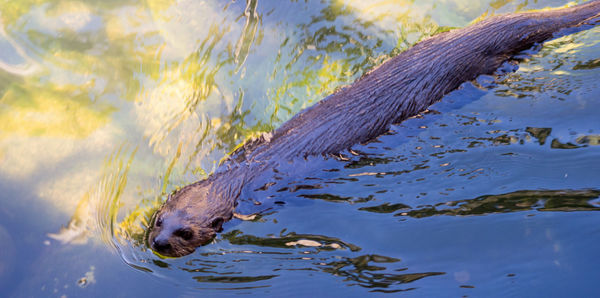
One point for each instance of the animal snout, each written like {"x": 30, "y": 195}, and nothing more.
{"x": 161, "y": 245}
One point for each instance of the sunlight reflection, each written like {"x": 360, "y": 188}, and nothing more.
{"x": 73, "y": 15}
{"x": 106, "y": 107}
{"x": 20, "y": 63}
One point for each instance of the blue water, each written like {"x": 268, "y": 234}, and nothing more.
{"x": 105, "y": 108}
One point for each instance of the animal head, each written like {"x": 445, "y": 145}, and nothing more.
{"x": 190, "y": 217}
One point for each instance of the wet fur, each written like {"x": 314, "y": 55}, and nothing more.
{"x": 398, "y": 89}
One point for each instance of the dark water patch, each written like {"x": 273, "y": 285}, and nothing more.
{"x": 363, "y": 271}
{"x": 337, "y": 198}
{"x": 289, "y": 240}
{"x": 494, "y": 141}
{"x": 590, "y": 64}
{"x": 417, "y": 167}
{"x": 161, "y": 264}
{"x": 392, "y": 291}
{"x": 442, "y": 154}
{"x": 232, "y": 279}
{"x": 539, "y": 133}
{"x": 141, "y": 268}
{"x": 524, "y": 200}
{"x": 386, "y": 208}
{"x": 556, "y": 144}
{"x": 265, "y": 186}
{"x": 224, "y": 252}
{"x": 368, "y": 161}
{"x": 296, "y": 188}
{"x": 236, "y": 289}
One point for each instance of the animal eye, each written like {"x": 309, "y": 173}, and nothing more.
{"x": 185, "y": 234}
{"x": 159, "y": 222}
{"x": 217, "y": 223}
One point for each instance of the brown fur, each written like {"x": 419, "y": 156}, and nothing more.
{"x": 398, "y": 89}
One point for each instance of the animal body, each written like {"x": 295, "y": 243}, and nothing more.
{"x": 396, "y": 90}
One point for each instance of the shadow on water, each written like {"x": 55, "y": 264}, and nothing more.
{"x": 524, "y": 200}
{"x": 363, "y": 271}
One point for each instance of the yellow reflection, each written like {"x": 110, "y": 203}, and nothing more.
{"x": 375, "y": 10}
{"x": 180, "y": 26}
{"x": 408, "y": 19}
{"x": 99, "y": 206}
{"x": 569, "y": 47}
{"x": 188, "y": 112}
{"x": 12, "y": 10}
{"x": 106, "y": 195}
{"x": 42, "y": 125}
{"x": 73, "y": 15}
{"x": 56, "y": 126}
{"x": 41, "y": 111}
{"x": 171, "y": 125}
{"x": 184, "y": 111}
{"x": 78, "y": 229}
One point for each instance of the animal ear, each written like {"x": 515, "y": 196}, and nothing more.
{"x": 217, "y": 224}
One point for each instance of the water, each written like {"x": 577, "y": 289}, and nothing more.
{"x": 106, "y": 107}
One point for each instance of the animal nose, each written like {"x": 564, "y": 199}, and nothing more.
{"x": 161, "y": 245}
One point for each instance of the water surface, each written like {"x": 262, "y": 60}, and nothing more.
{"x": 107, "y": 107}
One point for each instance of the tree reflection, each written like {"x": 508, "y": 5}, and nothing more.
{"x": 363, "y": 271}
{"x": 539, "y": 133}
{"x": 524, "y": 200}
{"x": 590, "y": 64}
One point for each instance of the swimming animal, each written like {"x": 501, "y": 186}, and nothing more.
{"x": 396, "y": 90}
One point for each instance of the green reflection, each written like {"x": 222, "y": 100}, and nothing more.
{"x": 386, "y": 208}
{"x": 363, "y": 271}
{"x": 539, "y": 133}
{"x": 591, "y": 64}
{"x": 524, "y": 200}
{"x": 34, "y": 110}
{"x": 119, "y": 72}
{"x": 337, "y": 198}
